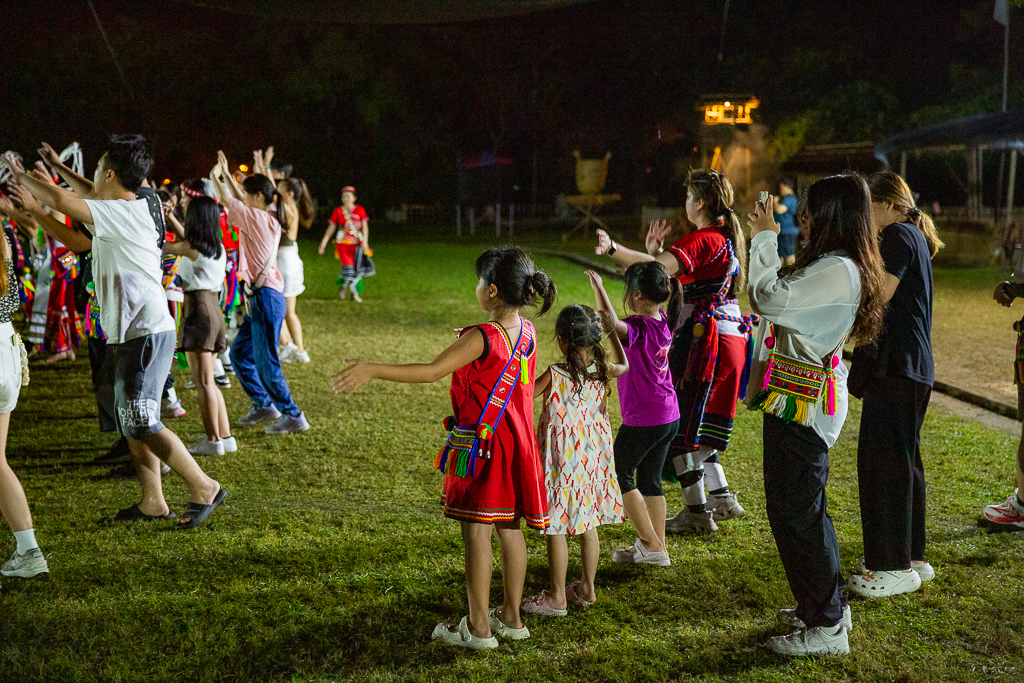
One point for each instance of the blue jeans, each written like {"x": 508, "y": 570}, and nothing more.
{"x": 254, "y": 353}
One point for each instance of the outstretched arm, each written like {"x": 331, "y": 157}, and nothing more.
{"x": 331, "y": 228}
{"x": 71, "y": 238}
{"x": 466, "y": 349}
{"x": 68, "y": 203}
{"x": 605, "y": 308}
{"x": 625, "y": 257}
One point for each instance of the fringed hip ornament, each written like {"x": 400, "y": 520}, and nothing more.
{"x": 24, "y": 359}
{"x": 792, "y": 388}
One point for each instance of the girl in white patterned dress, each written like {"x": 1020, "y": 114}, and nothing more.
{"x": 575, "y": 439}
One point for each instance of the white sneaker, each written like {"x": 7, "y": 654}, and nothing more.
{"x": 924, "y": 569}
{"x": 820, "y": 640}
{"x": 25, "y": 566}
{"x": 787, "y": 617}
{"x": 462, "y": 637}
{"x": 286, "y": 350}
{"x": 297, "y": 357}
{"x": 883, "y": 584}
{"x": 725, "y": 507}
{"x": 641, "y": 555}
{"x": 230, "y": 445}
{"x": 207, "y": 447}
{"x": 692, "y": 523}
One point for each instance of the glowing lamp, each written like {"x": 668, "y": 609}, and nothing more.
{"x": 243, "y": 168}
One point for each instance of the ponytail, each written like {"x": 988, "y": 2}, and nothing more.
{"x": 888, "y": 187}
{"x": 303, "y": 200}
{"x": 675, "y": 304}
{"x": 518, "y": 282}
{"x": 282, "y": 218}
{"x": 716, "y": 191}
{"x": 579, "y": 327}
{"x": 541, "y": 285}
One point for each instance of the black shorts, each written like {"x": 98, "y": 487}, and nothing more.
{"x": 787, "y": 245}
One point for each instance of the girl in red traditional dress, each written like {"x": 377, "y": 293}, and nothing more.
{"x": 493, "y": 476}
{"x": 710, "y": 346}
{"x": 351, "y": 229}
{"x": 63, "y": 324}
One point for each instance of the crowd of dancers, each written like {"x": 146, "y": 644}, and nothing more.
{"x": 155, "y": 273}
{"x": 207, "y": 271}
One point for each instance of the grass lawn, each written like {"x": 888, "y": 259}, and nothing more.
{"x": 331, "y": 559}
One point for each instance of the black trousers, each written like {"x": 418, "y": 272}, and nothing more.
{"x": 890, "y": 473}
{"x": 795, "y": 474}
{"x": 103, "y": 384}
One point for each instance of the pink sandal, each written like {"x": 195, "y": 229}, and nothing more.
{"x": 538, "y": 604}
{"x": 570, "y": 596}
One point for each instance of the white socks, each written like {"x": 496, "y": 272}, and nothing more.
{"x": 172, "y": 396}
{"x": 26, "y": 540}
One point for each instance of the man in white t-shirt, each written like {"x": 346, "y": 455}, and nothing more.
{"x": 134, "y": 316}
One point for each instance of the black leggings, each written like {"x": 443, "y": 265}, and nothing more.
{"x": 641, "y": 451}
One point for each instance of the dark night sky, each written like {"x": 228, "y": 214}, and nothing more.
{"x": 389, "y": 106}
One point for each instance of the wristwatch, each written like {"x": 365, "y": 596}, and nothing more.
{"x": 612, "y": 249}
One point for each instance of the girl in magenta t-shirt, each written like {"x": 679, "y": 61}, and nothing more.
{"x": 650, "y": 411}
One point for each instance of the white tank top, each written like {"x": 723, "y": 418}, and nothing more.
{"x": 204, "y": 273}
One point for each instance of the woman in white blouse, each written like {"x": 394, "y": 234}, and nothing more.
{"x": 833, "y": 293}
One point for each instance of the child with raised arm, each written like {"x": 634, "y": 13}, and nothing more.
{"x": 650, "y": 411}
{"x": 575, "y": 439}
{"x": 492, "y": 468}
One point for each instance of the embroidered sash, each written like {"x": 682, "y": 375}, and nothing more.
{"x": 466, "y": 444}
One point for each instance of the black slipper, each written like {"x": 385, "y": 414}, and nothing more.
{"x": 196, "y": 513}
{"x": 134, "y": 514}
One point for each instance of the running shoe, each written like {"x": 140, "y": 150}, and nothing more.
{"x": 787, "y": 617}
{"x": 25, "y": 566}
{"x": 820, "y": 640}
{"x": 1009, "y": 513}
{"x": 297, "y": 357}
{"x": 207, "y": 447}
{"x": 692, "y": 523}
{"x": 638, "y": 554}
{"x": 257, "y": 416}
{"x": 172, "y": 410}
{"x": 287, "y": 424}
{"x": 725, "y": 507}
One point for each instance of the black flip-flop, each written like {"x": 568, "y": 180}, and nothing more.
{"x": 196, "y": 513}
{"x": 134, "y": 514}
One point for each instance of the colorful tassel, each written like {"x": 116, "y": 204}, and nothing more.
{"x": 524, "y": 370}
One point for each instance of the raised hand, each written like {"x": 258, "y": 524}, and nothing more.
{"x": 11, "y": 162}
{"x": 268, "y": 155}
{"x": 22, "y": 196}
{"x": 49, "y": 155}
{"x": 763, "y": 219}
{"x": 222, "y": 162}
{"x": 351, "y": 378}
{"x": 595, "y": 279}
{"x": 42, "y": 173}
{"x": 657, "y": 231}
{"x": 604, "y": 243}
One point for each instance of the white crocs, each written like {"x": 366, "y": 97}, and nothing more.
{"x": 499, "y": 627}
{"x": 924, "y": 569}
{"x": 462, "y": 637}
{"x": 883, "y": 584}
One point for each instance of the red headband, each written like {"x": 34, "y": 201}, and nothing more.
{"x": 190, "y": 192}
{"x": 348, "y": 188}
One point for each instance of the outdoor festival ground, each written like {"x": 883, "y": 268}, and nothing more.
{"x": 331, "y": 559}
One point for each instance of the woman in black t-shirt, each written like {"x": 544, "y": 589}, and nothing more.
{"x": 894, "y": 376}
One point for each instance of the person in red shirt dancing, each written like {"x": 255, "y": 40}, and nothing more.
{"x": 351, "y": 229}
{"x": 710, "y": 347}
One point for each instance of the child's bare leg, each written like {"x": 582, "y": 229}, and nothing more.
{"x": 636, "y": 510}
{"x": 513, "y": 570}
{"x": 291, "y": 319}
{"x": 590, "y": 554}
{"x": 479, "y": 559}
{"x": 558, "y": 564}
{"x": 656, "y": 507}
